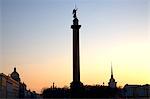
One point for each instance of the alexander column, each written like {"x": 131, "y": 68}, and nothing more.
{"x": 76, "y": 84}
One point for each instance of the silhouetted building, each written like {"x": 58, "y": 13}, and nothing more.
{"x": 12, "y": 87}
{"x": 22, "y": 86}
{"x": 136, "y": 91}
{"x": 9, "y": 88}
{"x": 22, "y": 90}
{"x": 54, "y": 92}
{"x": 112, "y": 83}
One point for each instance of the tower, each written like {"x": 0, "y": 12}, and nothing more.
{"x": 76, "y": 84}
{"x": 112, "y": 83}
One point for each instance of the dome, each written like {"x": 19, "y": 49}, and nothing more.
{"x": 15, "y": 75}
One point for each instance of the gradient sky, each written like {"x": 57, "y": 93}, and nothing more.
{"x": 36, "y": 38}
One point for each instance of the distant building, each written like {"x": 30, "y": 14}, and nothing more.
{"x": 22, "y": 90}
{"x": 12, "y": 87}
{"x": 9, "y": 88}
{"x": 112, "y": 83}
{"x": 134, "y": 91}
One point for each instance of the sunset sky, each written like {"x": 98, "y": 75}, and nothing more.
{"x": 36, "y": 38}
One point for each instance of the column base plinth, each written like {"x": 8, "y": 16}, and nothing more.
{"x": 77, "y": 90}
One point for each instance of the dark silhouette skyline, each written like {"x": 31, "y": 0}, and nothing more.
{"x": 15, "y": 52}
{"x": 77, "y": 88}
{"x": 37, "y": 35}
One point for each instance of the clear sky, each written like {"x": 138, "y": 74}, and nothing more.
{"x": 36, "y": 38}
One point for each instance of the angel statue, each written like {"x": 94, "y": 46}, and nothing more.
{"x": 74, "y": 13}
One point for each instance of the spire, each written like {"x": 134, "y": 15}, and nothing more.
{"x": 112, "y": 83}
{"x": 111, "y": 71}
